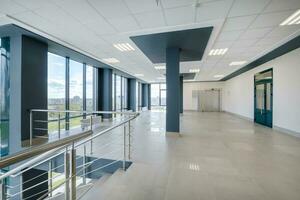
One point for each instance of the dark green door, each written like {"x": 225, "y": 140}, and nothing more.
{"x": 263, "y": 99}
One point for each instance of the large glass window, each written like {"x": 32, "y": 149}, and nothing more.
{"x": 56, "y": 88}
{"x": 118, "y": 93}
{"x": 89, "y": 88}
{"x": 4, "y": 95}
{"x": 158, "y": 94}
{"x": 124, "y": 93}
{"x": 76, "y": 91}
{"x": 155, "y": 95}
{"x": 113, "y": 92}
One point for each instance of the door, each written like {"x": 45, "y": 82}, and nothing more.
{"x": 263, "y": 99}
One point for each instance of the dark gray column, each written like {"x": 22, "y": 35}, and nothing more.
{"x": 149, "y": 96}
{"x": 181, "y": 94}
{"x": 28, "y": 86}
{"x": 144, "y": 95}
{"x": 132, "y": 94}
{"x": 173, "y": 90}
{"x": 105, "y": 91}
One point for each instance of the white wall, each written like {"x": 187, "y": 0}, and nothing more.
{"x": 238, "y": 93}
{"x": 188, "y": 87}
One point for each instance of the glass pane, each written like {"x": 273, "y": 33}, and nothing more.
{"x": 76, "y": 92}
{"x": 268, "y": 100}
{"x": 89, "y": 88}
{"x": 56, "y": 88}
{"x": 163, "y": 97}
{"x": 163, "y": 86}
{"x": 140, "y": 96}
{"x": 155, "y": 94}
{"x": 260, "y": 99}
{"x": 264, "y": 75}
{"x": 137, "y": 96}
{"x": 4, "y": 95}
{"x": 113, "y": 92}
{"x": 124, "y": 93}
{"x": 118, "y": 93}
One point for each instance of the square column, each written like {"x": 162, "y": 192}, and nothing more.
{"x": 132, "y": 94}
{"x": 181, "y": 94}
{"x": 173, "y": 89}
{"x": 104, "y": 91}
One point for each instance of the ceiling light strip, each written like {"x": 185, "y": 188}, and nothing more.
{"x": 290, "y": 19}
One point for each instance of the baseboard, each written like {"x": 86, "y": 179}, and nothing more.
{"x": 239, "y": 116}
{"x": 287, "y": 131}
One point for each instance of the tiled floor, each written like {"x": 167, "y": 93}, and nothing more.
{"x": 216, "y": 157}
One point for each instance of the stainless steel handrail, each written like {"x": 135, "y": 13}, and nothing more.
{"x": 56, "y": 145}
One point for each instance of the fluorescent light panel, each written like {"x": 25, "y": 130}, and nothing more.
{"x": 235, "y": 63}
{"x": 161, "y": 78}
{"x": 219, "y": 76}
{"x": 293, "y": 19}
{"x": 111, "y": 60}
{"x": 124, "y": 47}
{"x": 217, "y": 52}
{"x": 160, "y": 67}
{"x": 194, "y": 70}
{"x": 139, "y": 75}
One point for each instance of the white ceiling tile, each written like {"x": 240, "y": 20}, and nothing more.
{"x": 180, "y": 15}
{"x": 283, "y": 31}
{"x": 124, "y": 24}
{"x": 79, "y": 9}
{"x": 213, "y": 10}
{"x": 279, "y": 5}
{"x": 238, "y": 23}
{"x": 244, "y": 43}
{"x": 138, "y": 6}
{"x": 229, "y": 36}
{"x": 33, "y": 4}
{"x": 111, "y": 8}
{"x": 100, "y": 27}
{"x": 10, "y": 7}
{"x": 222, "y": 45}
{"x": 270, "y": 19}
{"x": 255, "y": 33}
{"x": 247, "y": 7}
{"x": 177, "y": 3}
{"x": 150, "y": 19}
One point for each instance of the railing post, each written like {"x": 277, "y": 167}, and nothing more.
{"x": 50, "y": 178}
{"x": 91, "y": 124}
{"x": 84, "y": 163}
{"x": 30, "y": 128}
{"x": 73, "y": 172}
{"x": 58, "y": 125}
{"x": 124, "y": 150}
{"x": 129, "y": 141}
{"x": 67, "y": 175}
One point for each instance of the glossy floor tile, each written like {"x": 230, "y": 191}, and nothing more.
{"x": 216, "y": 157}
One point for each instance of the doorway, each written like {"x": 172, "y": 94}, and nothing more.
{"x": 263, "y": 98}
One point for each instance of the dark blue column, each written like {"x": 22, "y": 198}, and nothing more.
{"x": 132, "y": 94}
{"x": 173, "y": 90}
{"x": 145, "y": 95}
{"x": 149, "y": 96}
{"x": 181, "y": 94}
{"x": 105, "y": 91}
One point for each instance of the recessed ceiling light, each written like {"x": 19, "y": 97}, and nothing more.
{"x": 234, "y": 63}
{"x": 161, "y": 78}
{"x": 111, "y": 60}
{"x": 219, "y": 76}
{"x": 293, "y": 19}
{"x": 124, "y": 47}
{"x": 217, "y": 52}
{"x": 138, "y": 75}
{"x": 160, "y": 67}
{"x": 194, "y": 70}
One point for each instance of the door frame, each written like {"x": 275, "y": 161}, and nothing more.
{"x": 265, "y": 93}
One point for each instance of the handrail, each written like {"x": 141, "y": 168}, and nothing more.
{"x": 83, "y": 111}
{"x": 56, "y": 145}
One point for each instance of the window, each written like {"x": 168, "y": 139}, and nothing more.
{"x": 124, "y": 93}
{"x": 118, "y": 93}
{"x": 89, "y": 88}
{"x": 155, "y": 95}
{"x": 76, "y": 92}
{"x": 113, "y": 92}
{"x": 56, "y": 88}
{"x": 158, "y": 94}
